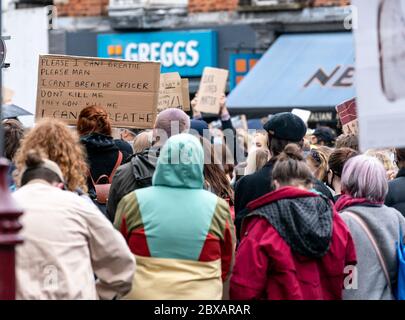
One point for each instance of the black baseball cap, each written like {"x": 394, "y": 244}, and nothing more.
{"x": 324, "y": 134}
{"x": 286, "y": 126}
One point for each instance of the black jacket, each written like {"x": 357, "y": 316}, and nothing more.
{"x": 249, "y": 188}
{"x": 255, "y": 185}
{"x": 135, "y": 174}
{"x": 396, "y": 192}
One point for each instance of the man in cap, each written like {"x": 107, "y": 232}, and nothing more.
{"x": 323, "y": 136}
{"x": 282, "y": 129}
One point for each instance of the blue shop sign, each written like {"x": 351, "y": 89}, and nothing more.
{"x": 186, "y": 52}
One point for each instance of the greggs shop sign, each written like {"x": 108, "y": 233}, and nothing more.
{"x": 186, "y": 52}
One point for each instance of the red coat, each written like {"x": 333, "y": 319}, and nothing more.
{"x": 267, "y": 268}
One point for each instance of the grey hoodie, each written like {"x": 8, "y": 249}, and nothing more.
{"x": 384, "y": 224}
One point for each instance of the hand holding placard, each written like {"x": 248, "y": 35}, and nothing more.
{"x": 347, "y": 112}
{"x": 212, "y": 87}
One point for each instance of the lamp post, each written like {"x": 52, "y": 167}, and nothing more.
{"x": 9, "y": 225}
{"x": 9, "y": 238}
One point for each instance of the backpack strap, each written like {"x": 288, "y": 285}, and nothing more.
{"x": 117, "y": 164}
{"x": 110, "y": 177}
{"x": 366, "y": 229}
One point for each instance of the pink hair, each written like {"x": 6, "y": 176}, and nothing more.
{"x": 365, "y": 177}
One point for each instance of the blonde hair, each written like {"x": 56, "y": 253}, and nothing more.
{"x": 60, "y": 144}
{"x": 383, "y": 156}
{"x": 263, "y": 138}
{"x": 142, "y": 141}
{"x": 256, "y": 159}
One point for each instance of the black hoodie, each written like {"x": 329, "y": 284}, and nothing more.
{"x": 102, "y": 155}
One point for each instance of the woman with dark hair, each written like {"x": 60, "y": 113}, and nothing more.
{"x": 226, "y": 158}
{"x": 104, "y": 154}
{"x": 13, "y": 133}
{"x": 336, "y": 162}
{"x": 215, "y": 178}
{"x": 294, "y": 244}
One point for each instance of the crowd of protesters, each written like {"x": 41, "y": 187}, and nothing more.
{"x": 188, "y": 211}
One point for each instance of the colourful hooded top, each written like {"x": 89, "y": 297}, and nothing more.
{"x": 181, "y": 235}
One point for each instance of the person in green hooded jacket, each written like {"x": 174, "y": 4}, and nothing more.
{"x": 182, "y": 236}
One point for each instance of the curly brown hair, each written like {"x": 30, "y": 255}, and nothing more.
{"x": 94, "y": 119}
{"x": 61, "y": 145}
{"x": 13, "y": 133}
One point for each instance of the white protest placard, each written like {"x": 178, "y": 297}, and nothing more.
{"x": 212, "y": 87}
{"x": 380, "y": 65}
{"x": 303, "y": 114}
{"x": 128, "y": 90}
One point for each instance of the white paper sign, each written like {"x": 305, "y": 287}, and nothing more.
{"x": 380, "y": 64}
{"x": 303, "y": 114}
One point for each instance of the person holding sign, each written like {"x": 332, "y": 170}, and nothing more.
{"x": 211, "y": 91}
{"x": 229, "y": 132}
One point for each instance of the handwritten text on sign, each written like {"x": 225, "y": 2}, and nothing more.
{"x": 127, "y": 90}
{"x": 212, "y": 87}
{"x": 170, "y": 91}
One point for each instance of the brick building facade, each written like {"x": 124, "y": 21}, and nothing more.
{"x": 77, "y": 8}
{"x": 240, "y": 26}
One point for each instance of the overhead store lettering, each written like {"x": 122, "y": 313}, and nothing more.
{"x": 169, "y": 53}
{"x": 345, "y": 79}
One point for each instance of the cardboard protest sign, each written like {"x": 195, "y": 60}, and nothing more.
{"x": 347, "y": 112}
{"x": 128, "y": 90}
{"x": 186, "y": 94}
{"x": 380, "y": 80}
{"x": 170, "y": 91}
{"x": 212, "y": 87}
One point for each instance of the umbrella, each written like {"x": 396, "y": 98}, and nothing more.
{"x": 12, "y": 111}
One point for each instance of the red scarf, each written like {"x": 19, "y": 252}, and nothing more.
{"x": 346, "y": 201}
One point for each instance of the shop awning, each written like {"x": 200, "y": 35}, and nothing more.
{"x": 314, "y": 71}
